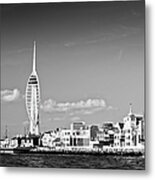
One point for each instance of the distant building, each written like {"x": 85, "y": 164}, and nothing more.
{"x": 66, "y": 137}
{"x": 4, "y": 143}
{"x": 127, "y": 134}
{"x": 77, "y": 125}
{"x": 51, "y": 138}
{"x": 132, "y": 132}
{"x": 119, "y": 135}
{"x": 80, "y": 135}
{"x": 140, "y": 129}
{"x": 106, "y": 134}
{"x": 25, "y": 141}
{"x": 94, "y": 130}
{"x": 14, "y": 142}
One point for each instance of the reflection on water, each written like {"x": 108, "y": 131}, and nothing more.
{"x": 72, "y": 161}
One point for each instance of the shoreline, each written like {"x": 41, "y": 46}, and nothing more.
{"x": 18, "y": 151}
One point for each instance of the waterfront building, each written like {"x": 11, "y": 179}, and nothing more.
{"x": 33, "y": 98}
{"x": 106, "y": 134}
{"x": 66, "y": 137}
{"x": 77, "y": 125}
{"x": 108, "y": 126}
{"x": 76, "y": 137}
{"x": 46, "y": 139}
{"x": 94, "y": 129}
{"x": 134, "y": 129}
{"x": 14, "y": 142}
{"x": 128, "y": 134}
{"x": 4, "y": 143}
{"x": 80, "y": 135}
{"x": 80, "y": 138}
{"x": 50, "y": 138}
{"x": 119, "y": 135}
{"x": 28, "y": 141}
{"x": 140, "y": 129}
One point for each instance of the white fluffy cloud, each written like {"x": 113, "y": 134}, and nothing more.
{"x": 83, "y": 107}
{"x": 10, "y": 95}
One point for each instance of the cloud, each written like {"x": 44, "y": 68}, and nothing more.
{"x": 75, "y": 118}
{"x": 93, "y": 110}
{"x": 112, "y": 108}
{"x": 69, "y": 44}
{"x": 10, "y": 95}
{"x": 81, "y": 107}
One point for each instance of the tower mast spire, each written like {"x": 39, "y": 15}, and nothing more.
{"x": 6, "y": 131}
{"x": 34, "y": 57}
{"x": 130, "y": 110}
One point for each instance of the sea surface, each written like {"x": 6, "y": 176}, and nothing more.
{"x": 72, "y": 161}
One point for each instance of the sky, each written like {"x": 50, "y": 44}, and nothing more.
{"x": 90, "y": 62}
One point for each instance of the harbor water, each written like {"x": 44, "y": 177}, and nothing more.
{"x": 73, "y": 161}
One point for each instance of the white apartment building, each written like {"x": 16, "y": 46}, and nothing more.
{"x": 134, "y": 129}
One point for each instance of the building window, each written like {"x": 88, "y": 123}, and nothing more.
{"x": 128, "y": 131}
{"x": 78, "y": 133}
{"x": 139, "y": 139}
{"x": 128, "y": 144}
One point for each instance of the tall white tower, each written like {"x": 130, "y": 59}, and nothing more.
{"x": 33, "y": 98}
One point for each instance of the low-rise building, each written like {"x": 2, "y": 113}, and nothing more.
{"x": 80, "y": 135}
{"x": 65, "y": 137}
{"x": 94, "y": 130}
{"x": 106, "y": 134}
{"x": 14, "y": 142}
{"x": 4, "y": 143}
{"x": 119, "y": 135}
{"x": 50, "y": 138}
